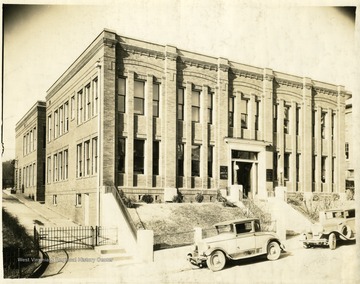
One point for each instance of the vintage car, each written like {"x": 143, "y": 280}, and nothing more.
{"x": 334, "y": 224}
{"x": 237, "y": 239}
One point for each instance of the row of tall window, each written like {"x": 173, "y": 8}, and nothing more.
{"x": 139, "y": 97}
{"x": 87, "y": 102}
{"x": 29, "y": 176}
{"x": 58, "y": 166}
{"x": 244, "y": 113}
{"x": 195, "y": 160}
{"x": 58, "y": 124}
{"x": 138, "y": 156}
{"x": 29, "y": 141}
{"x": 87, "y": 158}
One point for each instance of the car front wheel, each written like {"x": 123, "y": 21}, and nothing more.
{"x": 273, "y": 251}
{"x": 332, "y": 241}
{"x": 216, "y": 261}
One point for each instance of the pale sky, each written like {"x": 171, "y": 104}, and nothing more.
{"x": 41, "y": 41}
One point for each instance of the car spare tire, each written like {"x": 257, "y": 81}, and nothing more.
{"x": 346, "y": 231}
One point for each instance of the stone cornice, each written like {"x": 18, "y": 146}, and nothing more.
{"x": 143, "y": 51}
{"x": 223, "y": 67}
{"x": 198, "y": 63}
{"x": 326, "y": 91}
{"x": 34, "y": 110}
{"x": 290, "y": 83}
{"x": 247, "y": 74}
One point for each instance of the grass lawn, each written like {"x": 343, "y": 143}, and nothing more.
{"x": 173, "y": 223}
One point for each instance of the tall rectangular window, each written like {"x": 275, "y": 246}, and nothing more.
{"x": 24, "y": 145}
{"x": 333, "y": 127}
{"x": 35, "y": 139}
{"x": 30, "y": 175}
{"x": 121, "y": 94}
{"x": 34, "y": 174}
{"x": 244, "y": 113}
{"x": 66, "y": 117}
{"x": 180, "y": 160}
{"x": 257, "y": 115}
{"x": 313, "y": 123}
{"x": 333, "y": 170}
{"x": 56, "y": 124}
{"x": 210, "y": 161}
{"x": 156, "y": 100}
{"x": 314, "y": 168}
{"x": 156, "y": 156}
{"x": 66, "y": 164}
{"x": 323, "y": 169}
{"x": 31, "y": 141}
{"x": 54, "y": 199}
{"x": 210, "y": 108}
{"x": 49, "y": 127}
{"x": 287, "y": 166}
{"x": 61, "y": 119}
{"x": 87, "y": 102}
{"x": 48, "y": 166}
{"x": 139, "y": 97}
{"x": 95, "y": 96}
{"x": 323, "y": 125}
{"x": 298, "y": 157}
{"x": 87, "y": 157}
{"x": 139, "y": 156}
{"x": 79, "y": 160}
{"x": 79, "y": 107}
{"x": 347, "y": 152}
{"x": 297, "y": 120}
{"x": 275, "y": 117}
{"x": 231, "y": 111}
{"x": 28, "y": 143}
{"x": 121, "y": 155}
{"x": 286, "y": 119}
{"x": 72, "y": 107}
{"x": 195, "y": 106}
{"x": 60, "y": 158}
{"x": 94, "y": 155}
{"x": 56, "y": 173}
{"x": 195, "y": 160}
{"x": 180, "y": 104}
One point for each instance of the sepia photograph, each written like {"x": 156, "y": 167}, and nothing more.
{"x": 179, "y": 141}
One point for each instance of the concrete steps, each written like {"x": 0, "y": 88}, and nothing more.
{"x": 114, "y": 254}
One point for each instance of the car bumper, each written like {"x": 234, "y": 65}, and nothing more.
{"x": 196, "y": 259}
{"x": 314, "y": 240}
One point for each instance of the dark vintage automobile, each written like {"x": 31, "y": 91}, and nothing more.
{"x": 236, "y": 239}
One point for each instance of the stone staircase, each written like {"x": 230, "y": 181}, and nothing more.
{"x": 114, "y": 254}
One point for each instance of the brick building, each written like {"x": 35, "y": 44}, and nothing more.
{"x": 154, "y": 119}
{"x": 349, "y": 147}
{"x": 30, "y": 152}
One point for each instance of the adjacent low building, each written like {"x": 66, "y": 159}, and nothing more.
{"x": 158, "y": 120}
{"x": 30, "y": 153}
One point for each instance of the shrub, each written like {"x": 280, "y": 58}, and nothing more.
{"x": 219, "y": 196}
{"x": 199, "y": 197}
{"x": 147, "y": 198}
{"x": 316, "y": 197}
{"x": 126, "y": 200}
{"x": 178, "y": 198}
{"x": 336, "y": 196}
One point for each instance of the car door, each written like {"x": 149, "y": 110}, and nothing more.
{"x": 245, "y": 240}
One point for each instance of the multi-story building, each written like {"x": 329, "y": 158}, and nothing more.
{"x": 349, "y": 147}
{"x": 154, "y": 119}
{"x": 30, "y": 152}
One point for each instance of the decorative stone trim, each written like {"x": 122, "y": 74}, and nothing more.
{"x": 289, "y": 83}
{"x": 247, "y": 74}
{"x": 143, "y": 51}
{"x": 325, "y": 91}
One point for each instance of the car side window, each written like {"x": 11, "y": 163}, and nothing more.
{"x": 243, "y": 228}
{"x": 350, "y": 214}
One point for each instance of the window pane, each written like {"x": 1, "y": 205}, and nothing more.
{"x": 155, "y": 92}
{"x": 121, "y": 86}
{"x": 139, "y": 156}
{"x": 195, "y": 99}
{"x": 121, "y": 103}
{"x": 139, "y": 89}
{"x": 155, "y": 108}
{"x": 138, "y": 106}
{"x": 180, "y": 96}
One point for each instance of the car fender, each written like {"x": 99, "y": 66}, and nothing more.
{"x": 209, "y": 251}
{"x": 282, "y": 246}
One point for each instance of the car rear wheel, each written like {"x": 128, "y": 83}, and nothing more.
{"x": 216, "y": 261}
{"x": 332, "y": 241}
{"x": 273, "y": 251}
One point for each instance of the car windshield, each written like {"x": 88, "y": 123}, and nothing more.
{"x": 225, "y": 229}
{"x": 334, "y": 214}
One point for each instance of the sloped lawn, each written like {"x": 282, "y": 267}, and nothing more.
{"x": 173, "y": 223}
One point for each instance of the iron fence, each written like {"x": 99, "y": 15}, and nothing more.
{"x": 81, "y": 237}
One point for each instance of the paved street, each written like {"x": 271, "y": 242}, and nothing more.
{"x": 298, "y": 265}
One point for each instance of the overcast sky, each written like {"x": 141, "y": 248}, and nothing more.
{"x": 41, "y": 41}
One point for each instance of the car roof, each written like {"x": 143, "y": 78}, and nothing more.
{"x": 235, "y": 221}
{"x": 338, "y": 209}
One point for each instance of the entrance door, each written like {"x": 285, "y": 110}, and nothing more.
{"x": 244, "y": 177}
